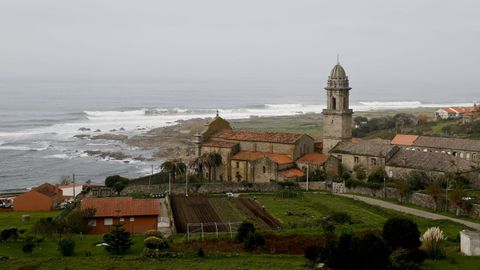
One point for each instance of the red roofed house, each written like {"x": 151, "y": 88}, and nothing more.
{"x": 137, "y": 215}
{"x": 45, "y": 197}
{"x": 452, "y": 112}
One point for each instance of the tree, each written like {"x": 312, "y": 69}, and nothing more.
{"x": 174, "y": 167}
{"x": 360, "y": 172}
{"x": 244, "y": 230}
{"x": 403, "y": 188}
{"x": 401, "y": 233}
{"x": 118, "y": 240}
{"x": 116, "y": 182}
{"x": 435, "y": 191}
{"x": 77, "y": 220}
{"x": 377, "y": 175}
{"x": 66, "y": 246}
{"x": 456, "y": 200}
{"x": 65, "y": 180}
{"x": 318, "y": 175}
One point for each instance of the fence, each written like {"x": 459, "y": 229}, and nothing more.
{"x": 215, "y": 228}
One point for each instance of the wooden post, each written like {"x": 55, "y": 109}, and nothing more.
{"x": 216, "y": 229}
{"x": 202, "y": 229}
{"x": 230, "y": 228}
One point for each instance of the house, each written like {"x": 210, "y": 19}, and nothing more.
{"x": 71, "y": 191}
{"x": 369, "y": 154}
{"x": 137, "y": 215}
{"x": 326, "y": 162}
{"x": 463, "y": 148}
{"x": 472, "y": 116}
{"x": 45, "y": 197}
{"x": 405, "y": 161}
{"x": 452, "y": 112}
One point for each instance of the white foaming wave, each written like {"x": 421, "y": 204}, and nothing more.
{"x": 58, "y": 156}
{"x": 21, "y": 148}
{"x": 114, "y": 114}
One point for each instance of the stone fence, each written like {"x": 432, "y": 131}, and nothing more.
{"x": 179, "y": 188}
{"x": 416, "y": 198}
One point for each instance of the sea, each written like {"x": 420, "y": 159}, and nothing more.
{"x": 39, "y": 119}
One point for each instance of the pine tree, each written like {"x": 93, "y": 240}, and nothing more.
{"x": 118, "y": 240}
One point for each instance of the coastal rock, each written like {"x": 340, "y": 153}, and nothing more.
{"x": 82, "y": 136}
{"x": 84, "y": 129}
{"x": 107, "y": 154}
{"x": 110, "y": 137}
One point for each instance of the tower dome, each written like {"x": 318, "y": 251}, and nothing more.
{"x": 338, "y": 72}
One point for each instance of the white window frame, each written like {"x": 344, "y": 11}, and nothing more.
{"x": 108, "y": 221}
{"x": 122, "y": 219}
{"x": 132, "y": 219}
{"x": 92, "y": 222}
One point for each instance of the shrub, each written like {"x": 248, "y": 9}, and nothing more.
{"x": 404, "y": 259}
{"x": 312, "y": 253}
{"x": 432, "y": 242}
{"x": 66, "y": 246}
{"x": 377, "y": 175}
{"x": 153, "y": 242}
{"x": 28, "y": 245}
{"x": 345, "y": 176}
{"x": 6, "y": 234}
{"x": 289, "y": 193}
{"x": 339, "y": 218}
{"x": 254, "y": 240}
{"x": 244, "y": 230}
{"x": 47, "y": 227}
{"x": 200, "y": 253}
{"x": 118, "y": 240}
{"x": 401, "y": 233}
{"x": 318, "y": 175}
{"x": 360, "y": 172}
{"x": 77, "y": 220}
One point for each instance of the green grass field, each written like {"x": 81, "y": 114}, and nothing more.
{"x": 14, "y": 219}
{"x": 294, "y": 213}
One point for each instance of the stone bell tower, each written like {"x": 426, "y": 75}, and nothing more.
{"x": 337, "y": 122}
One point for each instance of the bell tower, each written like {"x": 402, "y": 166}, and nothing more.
{"x": 337, "y": 117}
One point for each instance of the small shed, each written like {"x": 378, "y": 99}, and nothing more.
{"x": 470, "y": 243}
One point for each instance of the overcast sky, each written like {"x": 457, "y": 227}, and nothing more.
{"x": 428, "y": 42}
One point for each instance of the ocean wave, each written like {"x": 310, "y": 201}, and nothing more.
{"x": 58, "y": 156}
{"x": 21, "y": 148}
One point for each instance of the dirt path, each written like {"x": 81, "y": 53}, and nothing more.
{"x": 412, "y": 211}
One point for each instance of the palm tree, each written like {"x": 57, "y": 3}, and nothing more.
{"x": 215, "y": 160}
{"x": 173, "y": 167}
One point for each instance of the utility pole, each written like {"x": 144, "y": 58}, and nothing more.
{"x": 150, "y": 179}
{"x": 308, "y": 173}
{"x": 186, "y": 182}
{"x": 446, "y": 196}
{"x": 384, "y": 187}
{"x": 169, "y": 184}
{"x": 73, "y": 181}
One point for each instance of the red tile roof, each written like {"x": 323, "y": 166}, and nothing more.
{"x": 219, "y": 144}
{"x": 122, "y": 206}
{"x": 293, "y": 172}
{"x": 274, "y": 137}
{"x": 403, "y": 139}
{"x": 251, "y": 156}
{"x": 459, "y": 110}
{"x": 49, "y": 190}
{"x": 313, "y": 158}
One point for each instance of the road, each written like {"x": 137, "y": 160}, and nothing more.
{"x": 408, "y": 210}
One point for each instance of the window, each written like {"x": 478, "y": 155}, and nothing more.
{"x": 132, "y": 219}
{"x": 108, "y": 221}
{"x": 355, "y": 160}
{"x": 461, "y": 154}
{"x": 339, "y": 157}
{"x": 468, "y": 155}
{"x": 474, "y": 155}
{"x": 264, "y": 169}
{"x": 92, "y": 223}
{"x": 122, "y": 219}
{"x": 238, "y": 164}
{"x": 374, "y": 161}
{"x": 334, "y": 103}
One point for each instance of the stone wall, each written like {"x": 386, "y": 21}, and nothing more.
{"x": 416, "y": 198}
{"x": 178, "y": 188}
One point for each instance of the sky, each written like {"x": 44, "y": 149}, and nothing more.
{"x": 382, "y": 44}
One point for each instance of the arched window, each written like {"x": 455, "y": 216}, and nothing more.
{"x": 334, "y": 104}
{"x": 264, "y": 169}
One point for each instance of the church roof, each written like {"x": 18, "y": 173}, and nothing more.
{"x": 219, "y": 144}
{"x": 251, "y": 156}
{"x": 338, "y": 72}
{"x": 273, "y": 137}
{"x": 437, "y": 142}
{"x": 314, "y": 158}
{"x": 292, "y": 172}
{"x": 430, "y": 161}
{"x": 364, "y": 148}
